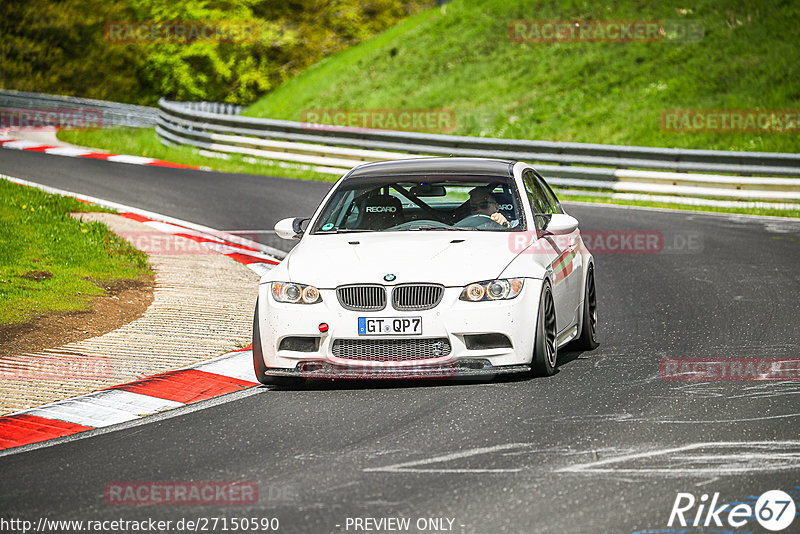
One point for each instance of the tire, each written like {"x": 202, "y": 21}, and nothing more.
{"x": 545, "y": 345}
{"x": 258, "y": 361}
{"x": 588, "y": 338}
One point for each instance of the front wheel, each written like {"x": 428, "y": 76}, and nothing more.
{"x": 545, "y": 348}
{"x": 588, "y": 338}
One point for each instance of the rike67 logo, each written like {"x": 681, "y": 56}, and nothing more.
{"x": 774, "y": 510}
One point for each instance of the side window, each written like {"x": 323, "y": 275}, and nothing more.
{"x": 537, "y": 197}
{"x": 551, "y": 197}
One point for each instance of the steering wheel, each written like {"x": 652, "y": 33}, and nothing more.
{"x": 479, "y": 220}
{"x": 419, "y": 222}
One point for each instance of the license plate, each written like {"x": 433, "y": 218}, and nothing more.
{"x": 377, "y": 326}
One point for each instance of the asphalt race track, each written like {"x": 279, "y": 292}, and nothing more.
{"x": 605, "y": 445}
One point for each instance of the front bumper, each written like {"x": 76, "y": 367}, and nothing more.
{"x": 452, "y": 320}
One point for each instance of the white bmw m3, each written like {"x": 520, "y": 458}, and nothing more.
{"x": 434, "y": 267}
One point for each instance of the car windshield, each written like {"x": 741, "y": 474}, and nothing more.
{"x": 422, "y": 203}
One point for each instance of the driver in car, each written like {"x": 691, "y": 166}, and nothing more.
{"x": 483, "y": 202}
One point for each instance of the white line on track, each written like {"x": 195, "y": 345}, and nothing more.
{"x": 410, "y": 467}
{"x": 747, "y": 457}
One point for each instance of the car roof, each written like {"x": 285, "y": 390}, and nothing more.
{"x": 463, "y": 166}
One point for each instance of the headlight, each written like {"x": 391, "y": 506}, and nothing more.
{"x": 295, "y": 293}
{"x": 502, "y": 289}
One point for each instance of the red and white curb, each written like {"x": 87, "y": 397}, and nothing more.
{"x": 127, "y": 402}
{"x": 74, "y": 152}
{"x": 220, "y": 242}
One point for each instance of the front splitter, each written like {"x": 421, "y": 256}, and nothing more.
{"x": 329, "y": 371}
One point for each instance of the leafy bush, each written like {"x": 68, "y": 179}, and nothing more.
{"x": 61, "y": 47}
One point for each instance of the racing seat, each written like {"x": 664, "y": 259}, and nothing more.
{"x": 380, "y": 212}
{"x": 505, "y": 205}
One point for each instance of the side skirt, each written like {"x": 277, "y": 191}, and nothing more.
{"x": 568, "y": 335}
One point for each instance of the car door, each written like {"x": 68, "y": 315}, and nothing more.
{"x": 571, "y": 266}
{"x": 557, "y": 253}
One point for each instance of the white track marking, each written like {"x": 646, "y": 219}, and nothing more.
{"x": 754, "y": 457}
{"x": 718, "y": 421}
{"x": 21, "y": 145}
{"x": 706, "y": 482}
{"x": 136, "y": 160}
{"x": 103, "y": 408}
{"x": 410, "y": 467}
{"x": 629, "y": 418}
{"x": 239, "y": 365}
{"x": 68, "y": 151}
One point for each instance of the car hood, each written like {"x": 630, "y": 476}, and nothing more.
{"x": 448, "y": 258}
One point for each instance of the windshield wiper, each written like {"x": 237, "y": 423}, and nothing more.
{"x": 343, "y": 231}
{"x": 446, "y": 228}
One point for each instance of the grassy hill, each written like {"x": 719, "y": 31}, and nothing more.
{"x": 461, "y": 57}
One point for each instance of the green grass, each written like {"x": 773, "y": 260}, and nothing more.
{"x": 460, "y": 57}
{"x": 51, "y": 262}
{"x": 145, "y": 142}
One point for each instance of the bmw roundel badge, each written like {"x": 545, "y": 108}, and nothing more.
{"x": 390, "y": 277}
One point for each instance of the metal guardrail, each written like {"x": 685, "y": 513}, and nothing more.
{"x": 188, "y": 124}
{"x": 213, "y": 107}
{"x": 112, "y": 113}
{"x": 671, "y": 174}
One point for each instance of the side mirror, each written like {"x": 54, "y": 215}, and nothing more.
{"x": 560, "y": 224}
{"x": 554, "y": 224}
{"x": 290, "y": 228}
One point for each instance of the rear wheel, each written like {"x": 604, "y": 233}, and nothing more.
{"x": 588, "y": 338}
{"x": 261, "y": 368}
{"x": 545, "y": 351}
